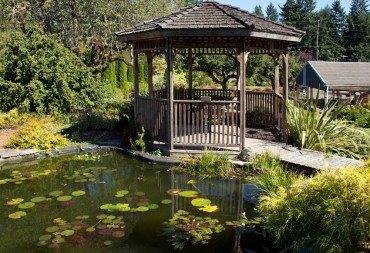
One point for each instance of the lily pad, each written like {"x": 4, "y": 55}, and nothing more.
{"x": 81, "y": 180}
{"x": 142, "y": 209}
{"x": 166, "y": 201}
{"x": 121, "y": 193}
{"x": 101, "y": 216}
{"x": 82, "y": 217}
{"x": 55, "y": 193}
{"x": 105, "y": 232}
{"x": 52, "y": 229}
{"x": 188, "y": 194}
{"x": 13, "y": 202}
{"x": 3, "y": 181}
{"x": 173, "y": 192}
{"x": 107, "y": 243}
{"x": 68, "y": 232}
{"x": 17, "y": 215}
{"x": 106, "y": 206}
{"x": 209, "y": 209}
{"x": 90, "y": 229}
{"x": 118, "y": 234}
{"x": 64, "y": 198}
{"x": 26, "y": 205}
{"x": 46, "y": 237}
{"x": 78, "y": 193}
{"x": 58, "y": 240}
{"x": 38, "y": 199}
{"x": 200, "y": 202}
{"x": 153, "y": 206}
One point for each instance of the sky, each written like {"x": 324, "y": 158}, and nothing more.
{"x": 249, "y": 5}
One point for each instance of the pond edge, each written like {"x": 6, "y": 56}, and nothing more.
{"x": 15, "y": 157}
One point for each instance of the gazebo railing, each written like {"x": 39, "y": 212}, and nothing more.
{"x": 151, "y": 113}
{"x": 214, "y": 123}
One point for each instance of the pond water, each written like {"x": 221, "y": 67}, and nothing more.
{"x": 69, "y": 204}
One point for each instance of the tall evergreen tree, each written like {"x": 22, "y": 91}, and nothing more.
{"x": 338, "y": 17}
{"x": 271, "y": 12}
{"x": 258, "y": 11}
{"x": 289, "y": 13}
{"x": 357, "y": 35}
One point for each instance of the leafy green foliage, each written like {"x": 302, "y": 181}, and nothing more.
{"x": 328, "y": 213}
{"x": 356, "y": 114}
{"x": 139, "y": 144}
{"x": 13, "y": 118}
{"x": 39, "y": 134}
{"x": 39, "y": 74}
{"x": 209, "y": 164}
{"x": 309, "y": 128}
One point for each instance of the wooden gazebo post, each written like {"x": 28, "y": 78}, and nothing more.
{"x": 169, "y": 60}
{"x": 285, "y": 93}
{"x": 242, "y": 63}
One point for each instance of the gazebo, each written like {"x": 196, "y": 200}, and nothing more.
{"x": 208, "y": 118}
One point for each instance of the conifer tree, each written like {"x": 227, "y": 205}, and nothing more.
{"x": 271, "y": 12}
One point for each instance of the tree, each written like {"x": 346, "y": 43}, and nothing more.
{"x": 39, "y": 74}
{"x": 289, "y": 13}
{"x": 258, "y": 11}
{"x": 271, "y": 12}
{"x": 357, "y": 35}
{"x": 220, "y": 68}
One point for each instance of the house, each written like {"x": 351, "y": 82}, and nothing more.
{"x": 334, "y": 78}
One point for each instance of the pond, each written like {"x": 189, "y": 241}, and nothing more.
{"x": 109, "y": 202}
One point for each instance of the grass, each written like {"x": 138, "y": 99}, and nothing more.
{"x": 272, "y": 174}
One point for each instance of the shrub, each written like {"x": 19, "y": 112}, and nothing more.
{"x": 39, "y": 134}
{"x": 39, "y": 74}
{"x": 12, "y": 118}
{"x": 309, "y": 128}
{"x": 356, "y": 114}
{"x": 328, "y": 213}
{"x": 209, "y": 164}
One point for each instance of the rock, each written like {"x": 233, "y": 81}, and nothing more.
{"x": 245, "y": 155}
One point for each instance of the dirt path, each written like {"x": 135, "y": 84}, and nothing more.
{"x": 5, "y": 134}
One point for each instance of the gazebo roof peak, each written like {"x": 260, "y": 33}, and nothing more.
{"x": 212, "y": 18}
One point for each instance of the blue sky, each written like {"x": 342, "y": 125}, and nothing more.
{"x": 249, "y": 5}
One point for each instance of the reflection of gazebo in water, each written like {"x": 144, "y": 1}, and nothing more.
{"x": 209, "y": 118}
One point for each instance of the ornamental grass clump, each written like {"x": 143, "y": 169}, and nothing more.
{"x": 322, "y": 131}
{"x": 41, "y": 134}
{"x": 209, "y": 165}
{"x": 272, "y": 173}
{"x": 328, "y": 213}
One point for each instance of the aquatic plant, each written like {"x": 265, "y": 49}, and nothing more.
{"x": 244, "y": 224}
{"x": 18, "y": 177}
{"x": 330, "y": 212}
{"x": 184, "y": 228}
{"x": 209, "y": 165}
{"x": 78, "y": 232}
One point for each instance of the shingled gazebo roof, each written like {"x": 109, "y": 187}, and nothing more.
{"x": 211, "y": 19}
